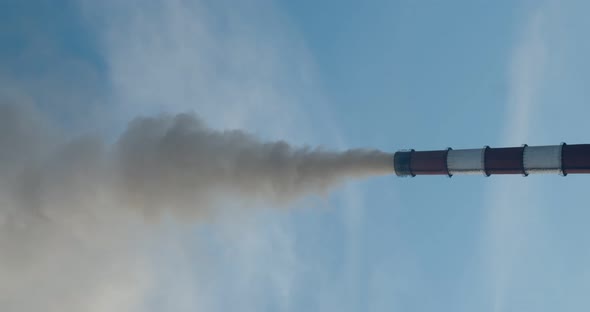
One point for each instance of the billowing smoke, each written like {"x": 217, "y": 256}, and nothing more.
{"x": 68, "y": 204}
{"x": 167, "y": 164}
{"x": 177, "y": 161}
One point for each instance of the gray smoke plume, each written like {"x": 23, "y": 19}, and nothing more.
{"x": 71, "y": 205}
{"x": 169, "y": 164}
{"x": 179, "y": 161}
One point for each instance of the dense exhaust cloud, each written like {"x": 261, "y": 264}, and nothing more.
{"x": 82, "y": 196}
{"x": 178, "y": 161}
{"x": 171, "y": 162}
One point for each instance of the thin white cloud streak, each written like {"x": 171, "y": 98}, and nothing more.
{"x": 186, "y": 56}
{"x": 526, "y": 75}
{"x": 509, "y": 212}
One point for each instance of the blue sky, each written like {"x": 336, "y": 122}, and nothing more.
{"x": 384, "y": 74}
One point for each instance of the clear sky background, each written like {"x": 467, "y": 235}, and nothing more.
{"x": 382, "y": 74}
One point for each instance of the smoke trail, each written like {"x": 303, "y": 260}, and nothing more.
{"x": 179, "y": 161}
{"x": 67, "y": 205}
{"x": 174, "y": 163}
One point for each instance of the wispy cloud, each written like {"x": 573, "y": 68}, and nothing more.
{"x": 509, "y": 214}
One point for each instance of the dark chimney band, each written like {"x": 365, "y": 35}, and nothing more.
{"x": 559, "y": 159}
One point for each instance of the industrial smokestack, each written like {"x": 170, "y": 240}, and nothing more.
{"x": 558, "y": 159}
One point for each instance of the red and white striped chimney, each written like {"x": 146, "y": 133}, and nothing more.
{"x": 559, "y": 159}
